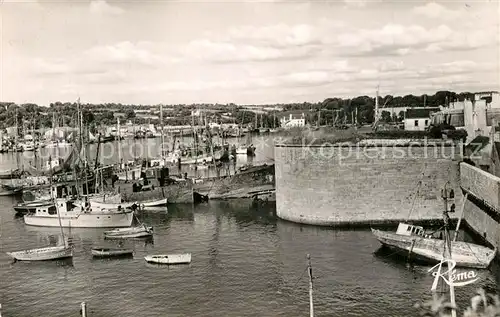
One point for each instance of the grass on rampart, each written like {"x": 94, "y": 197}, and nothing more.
{"x": 296, "y": 136}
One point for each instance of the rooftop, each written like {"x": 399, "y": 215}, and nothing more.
{"x": 417, "y": 113}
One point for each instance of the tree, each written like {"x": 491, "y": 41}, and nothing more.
{"x": 385, "y": 116}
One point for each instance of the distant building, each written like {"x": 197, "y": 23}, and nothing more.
{"x": 119, "y": 114}
{"x": 474, "y": 116}
{"x": 293, "y": 121}
{"x": 418, "y": 119}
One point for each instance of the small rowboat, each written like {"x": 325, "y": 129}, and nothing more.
{"x": 134, "y": 232}
{"x": 42, "y": 254}
{"x": 109, "y": 252}
{"x": 169, "y": 258}
{"x": 154, "y": 203}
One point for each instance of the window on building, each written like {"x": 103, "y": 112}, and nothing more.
{"x": 416, "y": 123}
{"x": 426, "y": 122}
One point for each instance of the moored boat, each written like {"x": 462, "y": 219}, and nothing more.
{"x": 140, "y": 231}
{"x": 78, "y": 217}
{"x": 154, "y": 203}
{"x": 409, "y": 238}
{"x": 169, "y": 258}
{"x": 42, "y": 254}
{"x": 111, "y": 252}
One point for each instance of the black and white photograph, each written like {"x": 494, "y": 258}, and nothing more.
{"x": 213, "y": 158}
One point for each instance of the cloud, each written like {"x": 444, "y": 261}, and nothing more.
{"x": 223, "y": 52}
{"x": 391, "y": 39}
{"x": 101, "y": 7}
{"x": 434, "y": 10}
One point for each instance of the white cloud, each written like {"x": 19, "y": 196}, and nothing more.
{"x": 208, "y": 50}
{"x": 101, "y": 7}
{"x": 434, "y": 10}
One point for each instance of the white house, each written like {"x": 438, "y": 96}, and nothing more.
{"x": 292, "y": 121}
{"x": 418, "y": 119}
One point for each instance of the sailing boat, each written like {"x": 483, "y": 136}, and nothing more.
{"x": 412, "y": 240}
{"x": 47, "y": 253}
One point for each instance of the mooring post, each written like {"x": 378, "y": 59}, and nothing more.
{"x": 83, "y": 309}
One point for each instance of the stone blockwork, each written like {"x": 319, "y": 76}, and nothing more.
{"x": 346, "y": 185}
{"x": 482, "y": 223}
{"x": 481, "y": 184}
{"x": 482, "y": 208}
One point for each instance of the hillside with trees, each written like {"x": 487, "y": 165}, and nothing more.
{"x": 96, "y": 115}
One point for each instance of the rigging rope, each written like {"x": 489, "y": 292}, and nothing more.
{"x": 416, "y": 194}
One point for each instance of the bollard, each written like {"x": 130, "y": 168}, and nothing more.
{"x": 83, "y": 310}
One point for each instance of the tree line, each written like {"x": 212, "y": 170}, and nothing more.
{"x": 31, "y": 115}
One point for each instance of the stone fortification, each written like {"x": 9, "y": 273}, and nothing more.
{"x": 365, "y": 183}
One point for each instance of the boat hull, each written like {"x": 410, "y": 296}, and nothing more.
{"x": 83, "y": 220}
{"x": 169, "y": 259}
{"x": 42, "y": 254}
{"x": 108, "y": 253}
{"x": 431, "y": 250}
{"x": 154, "y": 203}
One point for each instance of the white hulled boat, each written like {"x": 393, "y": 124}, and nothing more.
{"x": 424, "y": 248}
{"x": 77, "y": 217}
{"x": 43, "y": 254}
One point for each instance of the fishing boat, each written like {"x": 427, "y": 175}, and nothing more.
{"x": 169, "y": 258}
{"x": 42, "y": 254}
{"x": 110, "y": 252}
{"x": 411, "y": 240}
{"x": 70, "y": 215}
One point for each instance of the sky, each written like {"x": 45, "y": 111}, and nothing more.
{"x": 245, "y": 52}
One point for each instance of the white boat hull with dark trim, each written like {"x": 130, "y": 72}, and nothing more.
{"x": 76, "y": 217}
{"x": 110, "y": 252}
{"x": 169, "y": 258}
{"x": 42, "y": 254}
{"x": 125, "y": 233}
{"x": 431, "y": 250}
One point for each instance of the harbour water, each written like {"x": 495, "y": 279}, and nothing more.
{"x": 246, "y": 262}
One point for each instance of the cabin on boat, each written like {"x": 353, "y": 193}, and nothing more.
{"x": 405, "y": 229}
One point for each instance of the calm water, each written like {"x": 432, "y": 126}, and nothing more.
{"x": 131, "y": 148}
{"x": 245, "y": 263}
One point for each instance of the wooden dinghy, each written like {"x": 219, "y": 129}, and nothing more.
{"x": 169, "y": 258}
{"x": 110, "y": 252}
{"x": 141, "y": 231}
{"x": 43, "y": 254}
{"x": 154, "y": 203}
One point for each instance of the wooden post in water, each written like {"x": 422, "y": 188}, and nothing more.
{"x": 83, "y": 309}
{"x": 309, "y": 269}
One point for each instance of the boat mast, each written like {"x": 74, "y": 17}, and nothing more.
{"x": 309, "y": 270}
{"x": 119, "y": 141}
{"x": 446, "y": 195}
{"x": 162, "y": 137}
